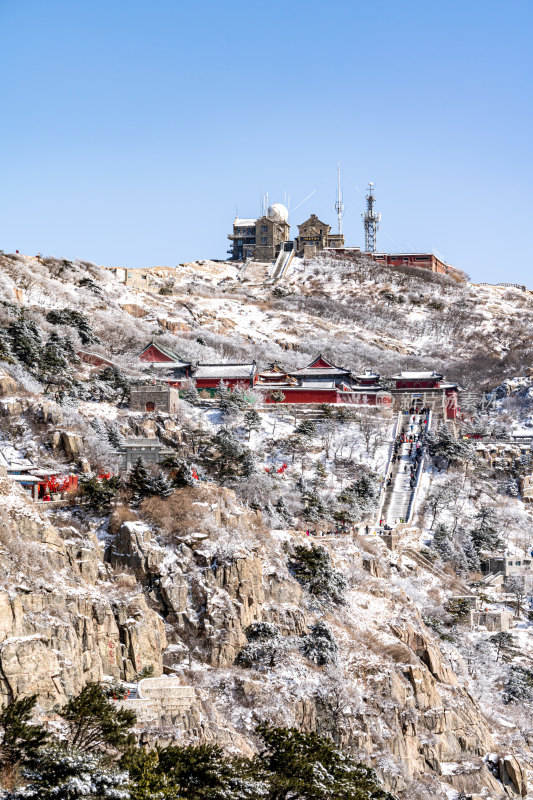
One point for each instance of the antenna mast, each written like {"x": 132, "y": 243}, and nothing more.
{"x": 372, "y": 221}
{"x": 339, "y": 205}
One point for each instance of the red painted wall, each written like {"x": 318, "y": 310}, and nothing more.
{"x": 417, "y": 384}
{"x": 213, "y": 383}
{"x": 153, "y": 354}
{"x": 451, "y": 404}
{"x": 305, "y": 396}
{"x": 329, "y": 396}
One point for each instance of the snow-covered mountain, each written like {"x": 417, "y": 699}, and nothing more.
{"x": 247, "y": 568}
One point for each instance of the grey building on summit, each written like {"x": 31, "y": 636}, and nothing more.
{"x": 260, "y": 239}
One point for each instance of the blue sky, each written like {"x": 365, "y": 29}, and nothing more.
{"x": 132, "y": 130}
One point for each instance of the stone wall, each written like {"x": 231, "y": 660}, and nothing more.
{"x": 154, "y": 398}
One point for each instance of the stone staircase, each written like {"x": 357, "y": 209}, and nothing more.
{"x": 400, "y": 498}
{"x": 426, "y": 564}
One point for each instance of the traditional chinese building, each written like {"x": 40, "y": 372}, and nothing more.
{"x": 209, "y": 376}
{"x": 426, "y": 390}
{"x": 321, "y": 381}
{"x": 166, "y": 364}
{"x": 170, "y": 368}
{"x": 40, "y": 484}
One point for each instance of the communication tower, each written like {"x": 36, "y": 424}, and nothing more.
{"x": 339, "y": 205}
{"x": 372, "y": 221}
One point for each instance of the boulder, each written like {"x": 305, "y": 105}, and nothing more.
{"x": 7, "y": 384}
{"x": 71, "y": 443}
{"x": 513, "y": 775}
{"x": 13, "y": 407}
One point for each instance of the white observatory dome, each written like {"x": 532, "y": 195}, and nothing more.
{"x": 278, "y": 212}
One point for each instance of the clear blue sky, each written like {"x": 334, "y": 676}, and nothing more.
{"x": 132, "y": 129}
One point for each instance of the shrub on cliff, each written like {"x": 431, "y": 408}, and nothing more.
{"x": 265, "y": 647}
{"x": 312, "y": 567}
{"x": 319, "y": 645}
{"x": 20, "y": 739}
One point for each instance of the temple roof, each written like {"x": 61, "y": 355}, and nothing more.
{"x": 417, "y": 376}
{"x": 169, "y": 354}
{"x": 320, "y": 366}
{"x": 224, "y": 371}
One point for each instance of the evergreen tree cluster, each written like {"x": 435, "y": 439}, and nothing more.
{"x": 319, "y": 645}
{"x": 96, "y": 758}
{"x": 50, "y": 362}
{"x": 234, "y": 460}
{"x": 75, "y": 765}
{"x": 110, "y": 385}
{"x": 463, "y": 548}
{"x": 359, "y": 498}
{"x": 265, "y": 646}
{"x": 519, "y": 684}
{"x": 74, "y": 319}
{"x": 182, "y": 473}
{"x": 142, "y": 484}
{"x": 312, "y": 567}
{"x": 445, "y": 450}
{"x": 99, "y": 493}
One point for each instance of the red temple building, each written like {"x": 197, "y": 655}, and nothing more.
{"x": 206, "y": 376}
{"x": 321, "y": 381}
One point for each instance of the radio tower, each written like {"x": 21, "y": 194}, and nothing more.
{"x": 372, "y": 221}
{"x": 339, "y": 205}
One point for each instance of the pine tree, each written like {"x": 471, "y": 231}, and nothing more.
{"x": 26, "y": 342}
{"x": 519, "y": 684}
{"x": 99, "y": 428}
{"x": 485, "y": 535}
{"x": 249, "y": 464}
{"x": 312, "y": 567}
{"x": 6, "y": 353}
{"x": 161, "y": 486}
{"x": 442, "y": 543}
{"x": 182, "y": 474}
{"x": 252, "y": 421}
{"x": 70, "y": 350}
{"x": 115, "y": 379}
{"x": 304, "y": 765}
{"x": 470, "y": 553}
{"x": 147, "y": 778}
{"x": 301, "y": 485}
{"x": 138, "y": 479}
{"x": 232, "y": 453}
{"x": 282, "y": 510}
{"x": 203, "y": 772}
{"x": 191, "y": 394}
{"x": 445, "y": 449}
{"x": 512, "y": 487}
{"x": 20, "y": 740}
{"x": 99, "y": 493}
{"x": 319, "y": 645}
{"x": 95, "y": 723}
{"x": 68, "y": 774}
{"x": 505, "y": 646}
{"x": 77, "y": 320}
{"x": 114, "y": 434}
{"x": 53, "y": 364}
{"x": 305, "y": 428}
{"x": 265, "y": 647}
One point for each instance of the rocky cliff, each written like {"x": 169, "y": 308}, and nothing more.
{"x": 81, "y": 602}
